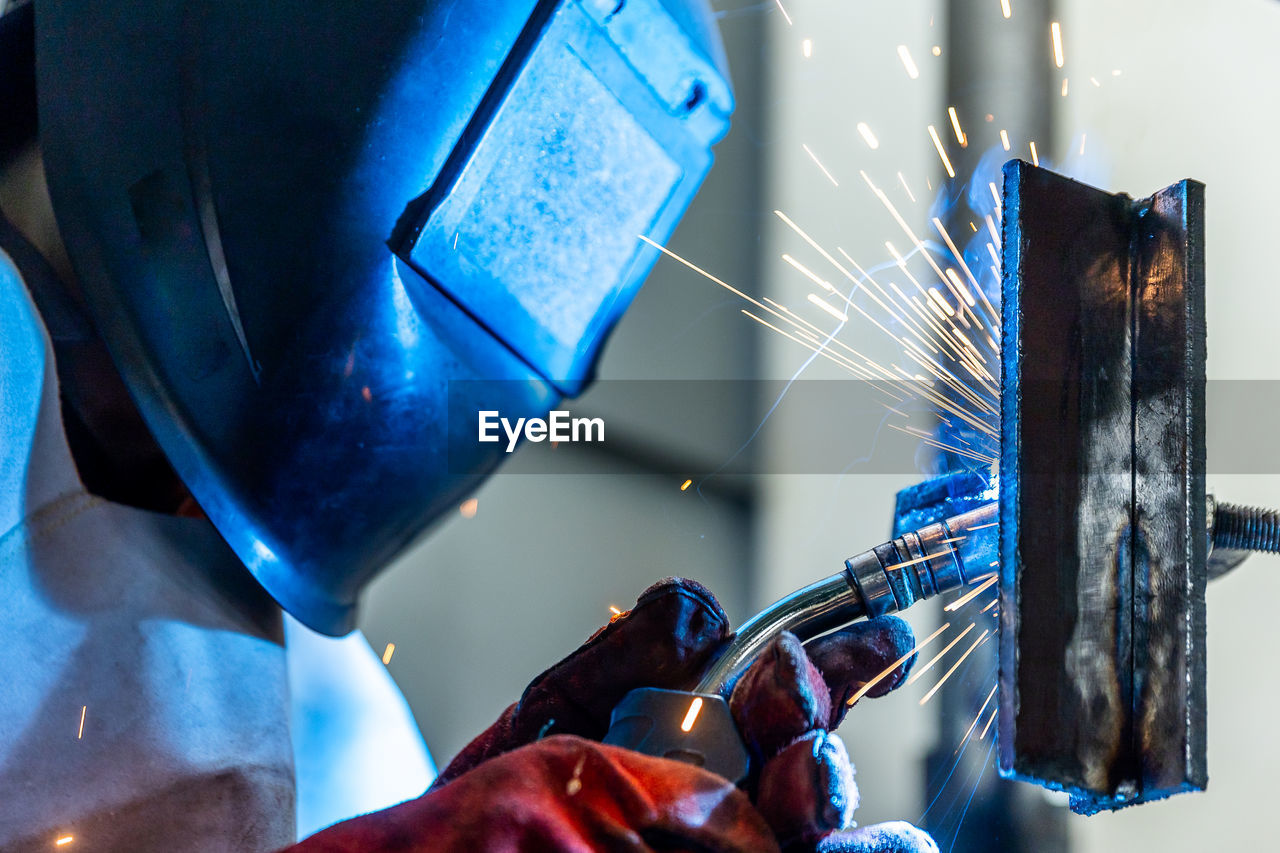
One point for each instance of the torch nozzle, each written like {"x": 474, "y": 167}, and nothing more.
{"x": 888, "y": 578}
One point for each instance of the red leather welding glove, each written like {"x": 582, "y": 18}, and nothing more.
{"x": 518, "y": 787}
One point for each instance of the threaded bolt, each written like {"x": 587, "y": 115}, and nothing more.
{"x": 1246, "y": 528}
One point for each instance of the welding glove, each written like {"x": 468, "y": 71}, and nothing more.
{"x": 536, "y": 780}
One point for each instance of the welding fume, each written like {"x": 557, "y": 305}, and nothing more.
{"x": 273, "y": 275}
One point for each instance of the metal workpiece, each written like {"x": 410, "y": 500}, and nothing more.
{"x": 888, "y": 578}
{"x": 1103, "y": 534}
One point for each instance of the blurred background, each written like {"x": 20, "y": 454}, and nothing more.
{"x": 1146, "y": 93}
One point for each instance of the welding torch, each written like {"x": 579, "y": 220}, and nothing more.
{"x": 698, "y": 728}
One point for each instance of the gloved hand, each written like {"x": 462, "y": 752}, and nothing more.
{"x": 519, "y": 787}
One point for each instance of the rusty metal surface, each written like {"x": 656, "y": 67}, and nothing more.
{"x": 1102, "y": 505}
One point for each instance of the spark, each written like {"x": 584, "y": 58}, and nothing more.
{"x": 973, "y": 227}
{"x": 977, "y": 717}
{"x": 574, "y": 785}
{"x": 982, "y": 639}
{"x": 1004, "y": 7}
{"x": 990, "y": 720}
{"x": 971, "y": 594}
{"x": 1056, "y": 29}
{"x": 615, "y": 611}
{"x": 1004, "y": 139}
{"x": 862, "y": 691}
{"x": 692, "y": 717}
{"x": 64, "y": 840}
{"x": 942, "y": 152}
{"x": 783, "y": 10}
{"x": 865, "y": 275}
{"x": 820, "y": 349}
{"x": 809, "y": 274}
{"x": 916, "y": 331}
{"x": 941, "y": 446}
{"x": 993, "y": 603}
{"x": 1035, "y": 158}
{"x": 828, "y": 307}
{"x": 955, "y": 125}
{"x": 995, "y": 193}
{"x": 818, "y": 162}
{"x": 940, "y": 302}
{"x": 915, "y": 676}
{"x": 388, "y": 652}
{"x": 1094, "y": 81}
{"x": 982, "y": 527}
{"x": 700, "y": 271}
{"x": 995, "y": 233}
{"x": 867, "y": 136}
{"x": 835, "y": 358}
{"x": 959, "y": 256}
{"x": 1083, "y": 138}
{"x": 469, "y": 507}
{"x": 685, "y": 485}
{"x": 1115, "y": 72}
{"x": 937, "y": 50}
{"x": 806, "y": 47}
{"x": 907, "y": 62}
{"x": 84, "y": 709}
{"x": 1064, "y": 87}
{"x": 902, "y": 223}
{"x": 910, "y": 194}
{"x": 943, "y": 553}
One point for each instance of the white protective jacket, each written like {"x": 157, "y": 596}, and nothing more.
{"x": 144, "y": 681}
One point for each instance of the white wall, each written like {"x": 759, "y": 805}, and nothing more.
{"x": 1196, "y": 97}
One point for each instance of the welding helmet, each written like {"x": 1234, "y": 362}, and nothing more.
{"x": 308, "y": 230}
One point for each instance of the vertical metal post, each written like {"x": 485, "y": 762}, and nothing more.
{"x": 1003, "y": 68}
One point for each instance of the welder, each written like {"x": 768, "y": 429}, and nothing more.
{"x": 252, "y": 259}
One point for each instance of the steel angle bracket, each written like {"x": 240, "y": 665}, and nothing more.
{"x": 1102, "y": 493}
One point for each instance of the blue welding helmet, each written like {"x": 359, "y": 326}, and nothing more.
{"x": 298, "y": 224}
